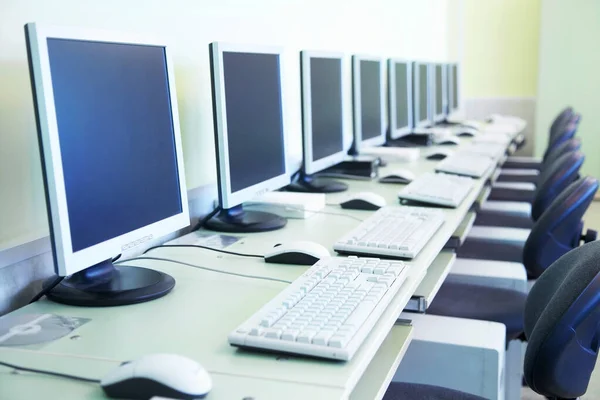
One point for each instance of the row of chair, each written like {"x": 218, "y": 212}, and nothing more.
{"x": 558, "y": 317}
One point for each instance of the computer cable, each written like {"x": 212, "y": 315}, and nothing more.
{"x": 206, "y": 218}
{"x": 45, "y": 290}
{"x": 51, "y": 373}
{"x": 233, "y": 253}
{"x": 266, "y": 278}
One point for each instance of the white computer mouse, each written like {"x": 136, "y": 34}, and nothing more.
{"x": 164, "y": 375}
{"x": 453, "y": 140}
{"x": 438, "y": 154}
{"x": 466, "y": 132}
{"x": 398, "y": 176}
{"x": 363, "y": 201}
{"x": 297, "y": 253}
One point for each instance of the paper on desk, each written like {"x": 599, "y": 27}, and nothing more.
{"x": 209, "y": 239}
{"x": 30, "y": 329}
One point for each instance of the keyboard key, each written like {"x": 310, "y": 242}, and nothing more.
{"x": 290, "y": 335}
{"x": 306, "y": 336}
{"x": 338, "y": 341}
{"x": 322, "y": 338}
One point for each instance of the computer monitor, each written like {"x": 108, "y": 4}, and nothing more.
{"x": 421, "y": 99}
{"x": 400, "y": 75}
{"x": 323, "y": 125}
{"x": 437, "y": 91}
{"x": 454, "y": 87}
{"x": 247, "y": 94}
{"x": 368, "y": 97}
{"x": 445, "y": 89}
{"x": 106, "y": 112}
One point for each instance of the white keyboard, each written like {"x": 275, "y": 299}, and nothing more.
{"x": 328, "y": 311}
{"x": 393, "y": 232}
{"x": 466, "y": 164}
{"x": 441, "y": 189}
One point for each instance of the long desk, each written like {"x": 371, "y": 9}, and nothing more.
{"x": 205, "y": 306}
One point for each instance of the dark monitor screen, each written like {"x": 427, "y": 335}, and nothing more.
{"x": 254, "y": 118}
{"x": 454, "y": 79}
{"x": 326, "y": 107}
{"x": 370, "y": 98}
{"x": 117, "y": 142}
{"x": 423, "y": 93}
{"x": 439, "y": 101}
{"x": 401, "y": 93}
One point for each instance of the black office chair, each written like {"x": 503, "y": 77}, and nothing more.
{"x": 573, "y": 144}
{"x": 562, "y": 320}
{"x": 558, "y": 230}
{"x": 552, "y": 181}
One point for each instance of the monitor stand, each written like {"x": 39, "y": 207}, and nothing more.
{"x": 411, "y": 140}
{"x": 107, "y": 285}
{"x": 310, "y": 184}
{"x": 238, "y": 220}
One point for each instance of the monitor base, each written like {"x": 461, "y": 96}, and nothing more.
{"x": 238, "y": 220}
{"x": 308, "y": 184}
{"x": 108, "y": 285}
{"x": 411, "y": 140}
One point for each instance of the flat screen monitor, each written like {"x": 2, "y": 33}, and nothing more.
{"x": 454, "y": 96}
{"x": 323, "y": 103}
{"x": 445, "y": 89}
{"x": 107, "y": 120}
{"x": 369, "y": 101}
{"x": 438, "y": 92}
{"x": 421, "y": 101}
{"x": 400, "y": 81}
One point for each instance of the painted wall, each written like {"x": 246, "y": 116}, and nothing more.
{"x": 500, "y": 56}
{"x": 569, "y": 65}
{"x": 381, "y": 27}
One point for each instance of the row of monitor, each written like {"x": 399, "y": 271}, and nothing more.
{"x": 108, "y": 126}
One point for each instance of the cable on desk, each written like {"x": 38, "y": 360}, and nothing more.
{"x": 206, "y": 218}
{"x": 233, "y": 253}
{"x": 47, "y": 289}
{"x": 266, "y": 278}
{"x": 51, "y": 373}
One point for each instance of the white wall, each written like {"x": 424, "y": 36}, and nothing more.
{"x": 404, "y": 28}
{"x": 568, "y": 73}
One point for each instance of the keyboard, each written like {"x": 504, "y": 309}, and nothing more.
{"x": 392, "y": 232}
{"x": 441, "y": 189}
{"x": 328, "y": 311}
{"x": 466, "y": 164}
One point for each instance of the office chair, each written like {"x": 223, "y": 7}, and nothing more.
{"x": 561, "y": 319}
{"x": 552, "y": 181}
{"x": 558, "y": 230}
{"x": 533, "y": 175}
{"x": 562, "y": 316}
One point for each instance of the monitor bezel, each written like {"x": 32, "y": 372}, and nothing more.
{"x": 227, "y": 198}
{"x": 311, "y": 166}
{"x": 396, "y": 132}
{"x": 445, "y": 89}
{"x": 455, "y": 88}
{"x": 426, "y": 121}
{"x": 357, "y": 107}
{"x": 68, "y": 262}
{"x": 437, "y": 117}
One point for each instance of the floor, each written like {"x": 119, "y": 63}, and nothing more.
{"x": 591, "y": 221}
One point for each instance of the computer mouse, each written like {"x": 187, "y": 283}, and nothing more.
{"x": 438, "y": 154}
{"x": 467, "y": 132}
{"x": 160, "y": 375}
{"x": 398, "y": 176}
{"x": 297, "y": 253}
{"x": 447, "y": 140}
{"x": 363, "y": 201}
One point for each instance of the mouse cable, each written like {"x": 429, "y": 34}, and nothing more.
{"x": 233, "y": 253}
{"x": 266, "y": 278}
{"x": 51, "y": 373}
{"x": 206, "y": 218}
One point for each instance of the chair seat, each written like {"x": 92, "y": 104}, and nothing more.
{"x": 463, "y": 300}
{"x": 417, "y": 391}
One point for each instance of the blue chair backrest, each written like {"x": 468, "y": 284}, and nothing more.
{"x": 572, "y": 144}
{"x": 564, "y": 116}
{"x": 568, "y": 132}
{"x": 562, "y": 325}
{"x": 554, "y": 179}
{"x": 559, "y": 228}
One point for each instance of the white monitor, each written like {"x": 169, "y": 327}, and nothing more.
{"x": 400, "y": 88}
{"x": 108, "y": 126}
{"x": 248, "y": 104}
{"x": 368, "y": 83}
{"x": 454, "y": 88}
{"x": 438, "y": 92}
{"x": 421, "y": 99}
